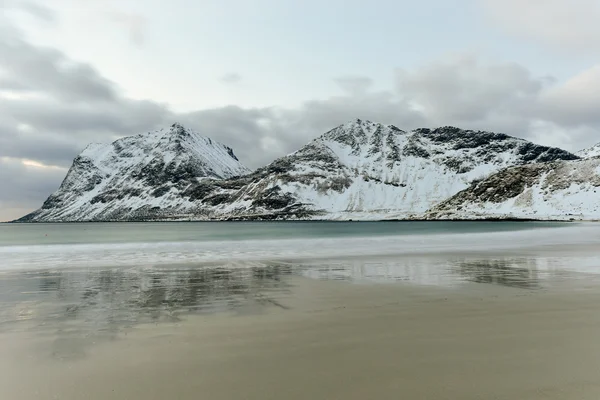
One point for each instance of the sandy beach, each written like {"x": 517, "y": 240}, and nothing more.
{"x": 331, "y": 340}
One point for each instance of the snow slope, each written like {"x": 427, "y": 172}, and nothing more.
{"x": 560, "y": 190}
{"x": 365, "y": 170}
{"x": 593, "y": 151}
{"x": 360, "y": 170}
{"x": 138, "y": 177}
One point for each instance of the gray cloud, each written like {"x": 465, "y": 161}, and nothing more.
{"x": 27, "y": 187}
{"x": 230, "y": 78}
{"x": 34, "y": 69}
{"x": 119, "y": 116}
{"x": 463, "y": 91}
{"x": 46, "y": 149}
{"x": 466, "y": 92}
{"x": 574, "y": 103}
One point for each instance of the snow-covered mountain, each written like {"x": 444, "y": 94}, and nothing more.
{"x": 138, "y": 177}
{"x": 365, "y": 170}
{"x": 593, "y": 151}
{"x": 559, "y": 190}
{"x": 359, "y": 170}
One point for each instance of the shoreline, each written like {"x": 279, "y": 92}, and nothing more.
{"x": 498, "y": 219}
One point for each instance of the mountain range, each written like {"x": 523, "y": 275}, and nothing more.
{"x": 360, "y": 170}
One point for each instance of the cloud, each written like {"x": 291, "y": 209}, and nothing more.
{"x": 462, "y": 90}
{"x": 28, "y": 186}
{"x": 231, "y": 78}
{"x": 32, "y": 8}
{"x": 504, "y": 97}
{"x": 135, "y": 24}
{"x": 37, "y": 10}
{"x": 34, "y": 69}
{"x": 575, "y": 102}
{"x": 569, "y": 25}
{"x": 47, "y": 149}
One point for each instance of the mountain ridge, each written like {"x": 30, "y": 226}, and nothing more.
{"x": 357, "y": 170}
{"x": 139, "y": 170}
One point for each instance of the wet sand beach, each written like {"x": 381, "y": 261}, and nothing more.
{"x": 470, "y": 329}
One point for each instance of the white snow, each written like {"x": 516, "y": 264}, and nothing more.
{"x": 593, "y": 151}
{"x": 378, "y": 188}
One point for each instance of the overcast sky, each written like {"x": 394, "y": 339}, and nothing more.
{"x": 267, "y": 76}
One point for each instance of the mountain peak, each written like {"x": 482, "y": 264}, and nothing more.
{"x": 179, "y": 130}
{"x": 593, "y": 151}
{"x": 177, "y": 127}
{"x": 139, "y": 176}
{"x": 359, "y": 123}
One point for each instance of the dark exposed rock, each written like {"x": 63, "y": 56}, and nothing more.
{"x": 393, "y": 152}
{"x": 337, "y": 183}
{"x": 233, "y": 183}
{"x": 280, "y": 166}
{"x": 460, "y": 138}
{"x": 534, "y": 152}
{"x": 94, "y": 181}
{"x": 230, "y": 152}
{"x": 292, "y": 212}
{"x": 157, "y": 173}
{"x": 499, "y": 187}
{"x": 458, "y": 165}
{"x": 199, "y": 191}
{"x": 351, "y": 137}
{"x": 412, "y": 148}
{"x": 53, "y": 201}
{"x": 161, "y": 191}
{"x": 376, "y": 142}
{"x": 305, "y": 179}
{"x": 217, "y": 199}
{"x": 111, "y": 195}
{"x": 314, "y": 153}
{"x": 273, "y": 199}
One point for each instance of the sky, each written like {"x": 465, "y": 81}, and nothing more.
{"x": 267, "y": 76}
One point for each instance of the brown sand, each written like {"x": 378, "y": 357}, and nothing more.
{"x": 336, "y": 341}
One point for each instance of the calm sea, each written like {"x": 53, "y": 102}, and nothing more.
{"x": 93, "y": 233}
{"x": 105, "y": 277}
{"x": 35, "y": 246}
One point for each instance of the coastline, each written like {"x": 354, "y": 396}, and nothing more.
{"x": 276, "y": 220}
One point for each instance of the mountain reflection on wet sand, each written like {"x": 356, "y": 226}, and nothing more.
{"x": 445, "y": 327}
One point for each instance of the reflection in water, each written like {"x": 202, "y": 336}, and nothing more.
{"x": 76, "y": 308}
{"x": 108, "y": 300}
{"x": 518, "y": 273}
{"x": 418, "y": 271}
{"x": 514, "y": 272}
